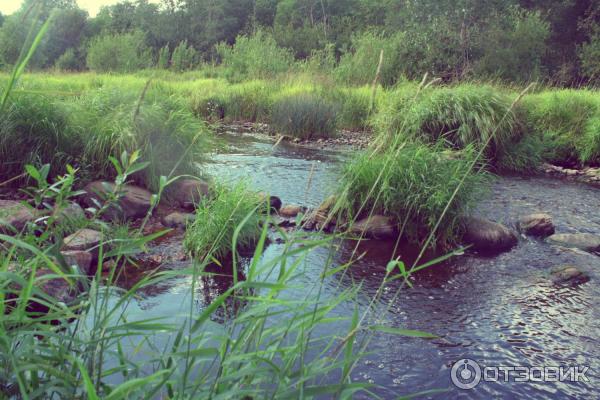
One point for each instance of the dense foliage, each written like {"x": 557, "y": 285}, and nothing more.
{"x": 511, "y": 40}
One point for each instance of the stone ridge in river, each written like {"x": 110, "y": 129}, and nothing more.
{"x": 583, "y": 241}
{"x": 487, "y": 236}
{"x": 536, "y": 225}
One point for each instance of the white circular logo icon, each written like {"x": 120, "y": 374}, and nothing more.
{"x": 466, "y": 374}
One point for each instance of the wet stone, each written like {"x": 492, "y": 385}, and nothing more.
{"x": 487, "y": 236}
{"x": 536, "y": 225}
{"x": 83, "y": 240}
{"x": 133, "y": 202}
{"x": 178, "y": 220}
{"x": 583, "y": 241}
{"x": 568, "y": 275}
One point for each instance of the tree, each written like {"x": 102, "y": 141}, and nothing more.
{"x": 125, "y": 52}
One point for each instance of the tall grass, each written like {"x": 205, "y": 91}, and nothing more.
{"x": 304, "y": 116}
{"x": 566, "y": 120}
{"x": 211, "y": 234}
{"x": 413, "y": 183}
{"x": 458, "y": 116}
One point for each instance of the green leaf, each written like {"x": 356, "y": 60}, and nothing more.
{"x": 87, "y": 382}
{"x": 402, "y": 332}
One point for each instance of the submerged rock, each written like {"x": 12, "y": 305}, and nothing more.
{"x": 487, "y": 236}
{"x": 133, "y": 201}
{"x": 536, "y": 225}
{"x": 375, "y": 227}
{"x": 583, "y": 241}
{"x": 14, "y": 216}
{"x": 178, "y": 220}
{"x": 568, "y": 275}
{"x": 83, "y": 240}
{"x": 188, "y": 193}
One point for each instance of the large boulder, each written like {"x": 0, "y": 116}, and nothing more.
{"x": 14, "y": 216}
{"x": 568, "y": 275}
{"x": 68, "y": 213}
{"x": 82, "y": 259}
{"x": 178, "y": 220}
{"x": 83, "y": 240}
{"x": 536, "y": 225}
{"x": 133, "y": 202}
{"x": 46, "y": 281}
{"x": 375, "y": 227}
{"x": 487, "y": 236}
{"x": 584, "y": 241}
{"x": 188, "y": 193}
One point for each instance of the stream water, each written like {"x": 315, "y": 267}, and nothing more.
{"x": 500, "y": 311}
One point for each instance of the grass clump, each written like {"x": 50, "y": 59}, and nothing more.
{"x": 413, "y": 183}
{"x": 567, "y": 122}
{"x": 458, "y": 116}
{"x": 211, "y": 235}
{"x": 304, "y": 116}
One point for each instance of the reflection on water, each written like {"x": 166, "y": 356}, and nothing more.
{"x": 497, "y": 311}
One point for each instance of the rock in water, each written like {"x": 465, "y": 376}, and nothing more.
{"x": 178, "y": 220}
{"x": 290, "y": 211}
{"x": 274, "y": 201}
{"x": 584, "y": 241}
{"x": 14, "y": 216}
{"x": 375, "y": 227}
{"x": 536, "y": 225}
{"x": 322, "y": 218}
{"x": 487, "y": 236}
{"x": 133, "y": 202}
{"x": 83, "y": 240}
{"x": 188, "y": 193}
{"x": 568, "y": 275}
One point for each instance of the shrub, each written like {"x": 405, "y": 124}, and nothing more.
{"x": 589, "y": 54}
{"x": 164, "y": 56}
{"x": 513, "y": 49}
{"x": 68, "y": 61}
{"x": 121, "y": 53}
{"x": 304, "y": 116}
{"x": 184, "y": 57}
{"x": 256, "y": 56}
{"x": 412, "y": 183}
{"x": 211, "y": 234}
{"x": 459, "y": 116}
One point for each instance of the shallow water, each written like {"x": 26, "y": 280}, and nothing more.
{"x": 500, "y": 311}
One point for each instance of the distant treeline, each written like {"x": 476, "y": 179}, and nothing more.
{"x": 557, "y": 41}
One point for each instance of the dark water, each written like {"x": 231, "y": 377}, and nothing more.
{"x": 500, "y": 311}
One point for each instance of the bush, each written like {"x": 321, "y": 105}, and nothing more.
{"x": 304, "y": 116}
{"x": 459, "y": 116}
{"x": 120, "y": 53}
{"x": 69, "y": 61}
{"x": 211, "y": 234}
{"x": 256, "y": 56}
{"x": 412, "y": 183}
{"x": 164, "y": 56}
{"x": 589, "y": 54}
{"x": 184, "y": 57}
{"x": 513, "y": 50}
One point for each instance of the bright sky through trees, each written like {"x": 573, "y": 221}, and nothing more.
{"x": 91, "y": 6}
